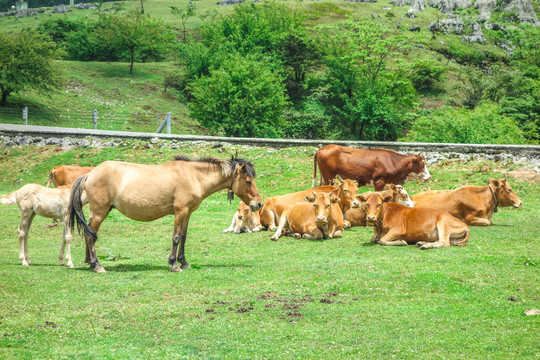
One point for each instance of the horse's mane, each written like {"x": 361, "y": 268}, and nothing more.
{"x": 227, "y": 166}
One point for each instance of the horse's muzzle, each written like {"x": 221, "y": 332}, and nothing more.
{"x": 255, "y": 205}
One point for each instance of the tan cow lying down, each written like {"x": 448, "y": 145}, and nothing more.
{"x": 34, "y": 199}
{"x": 474, "y": 205}
{"x": 395, "y": 224}
{"x": 66, "y": 174}
{"x": 244, "y": 220}
{"x": 391, "y": 193}
{"x": 320, "y": 217}
{"x": 274, "y": 207}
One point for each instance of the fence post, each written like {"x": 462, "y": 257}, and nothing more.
{"x": 94, "y": 118}
{"x": 166, "y": 122}
{"x": 25, "y": 115}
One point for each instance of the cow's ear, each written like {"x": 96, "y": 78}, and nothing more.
{"x": 309, "y": 199}
{"x": 494, "y": 182}
{"x": 387, "y": 197}
{"x": 503, "y": 181}
{"x": 334, "y": 199}
{"x": 390, "y": 187}
{"x": 361, "y": 197}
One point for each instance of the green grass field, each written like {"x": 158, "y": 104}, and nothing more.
{"x": 249, "y": 297}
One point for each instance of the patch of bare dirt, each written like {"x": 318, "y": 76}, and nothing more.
{"x": 525, "y": 175}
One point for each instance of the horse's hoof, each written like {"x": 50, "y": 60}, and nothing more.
{"x": 100, "y": 269}
{"x": 186, "y": 266}
{"x": 70, "y": 266}
{"x": 176, "y": 268}
{"x": 25, "y": 264}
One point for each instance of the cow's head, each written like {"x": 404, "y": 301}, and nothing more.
{"x": 322, "y": 206}
{"x": 347, "y": 190}
{"x": 373, "y": 202}
{"x": 504, "y": 193}
{"x": 402, "y": 197}
{"x": 245, "y": 219}
{"x": 244, "y": 186}
{"x": 418, "y": 169}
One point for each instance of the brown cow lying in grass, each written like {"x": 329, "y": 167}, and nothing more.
{"x": 399, "y": 225}
{"x": 320, "y": 217}
{"x": 474, "y": 205}
{"x": 34, "y": 199}
{"x": 274, "y": 207}
{"x": 244, "y": 220}
{"x": 67, "y": 174}
{"x": 391, "y": 193}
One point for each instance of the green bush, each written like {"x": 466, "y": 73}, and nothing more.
{"x": 425, "y": 74}
{"x": 483, "y": 125}
{"x": 244, "y": 97}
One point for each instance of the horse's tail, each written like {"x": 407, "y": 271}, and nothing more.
{"x": 10, "y": 199}
{"x": 75, "y": 208}
{"x": 314, "y": 183}
{"x": 50, "y": 178}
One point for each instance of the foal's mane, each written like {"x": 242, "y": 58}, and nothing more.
{"x": 227, "y": 166}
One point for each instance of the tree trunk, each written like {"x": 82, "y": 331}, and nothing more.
{"x": 3, "y": 101}
{"x": 132, "y": 59}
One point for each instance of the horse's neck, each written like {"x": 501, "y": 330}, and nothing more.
{"x": 212, "y": 179}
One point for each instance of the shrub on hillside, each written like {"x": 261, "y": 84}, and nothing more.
{"x": 244, "y": 97}
{"x": 483, "y": 125}
{"x": 425, "y": 74}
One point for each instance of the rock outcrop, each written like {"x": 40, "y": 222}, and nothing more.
{"x": 453, "y": 24}
{"x": 485, "y": 8}
{"x": 523, "y": 9}
{"x": 476, "y": 36}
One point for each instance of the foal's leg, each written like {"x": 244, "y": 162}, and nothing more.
{"x": 66, "y": 241}
{"x": 24, "y": 228}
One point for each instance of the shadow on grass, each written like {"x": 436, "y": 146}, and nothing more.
{"x": 126, "y": 267}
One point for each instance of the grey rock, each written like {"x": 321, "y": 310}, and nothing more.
{"x": 229, "y": 2}
{"x": 448, "y": 6}
{"x": 83, "y": 143}
{"x": 61, "y": 9}
{"x": 414, "y": 28}
{"x": 23, "y": 140}
{"x": 453, "y": 24}
{"x": 476, "y": 36}
{"x": 523, "y": 10}
{"x": 83, "y": 6}
{"x": 485, "y": 8}
{"x": 53, "y": 141}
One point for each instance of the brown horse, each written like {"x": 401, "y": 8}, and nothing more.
{"x": 149, "y": 192}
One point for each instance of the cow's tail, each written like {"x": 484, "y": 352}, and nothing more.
{"x": 76, "y": 203}
{"x": 50, "y": 178}
{"x": 314, "y": 183}
{"x": 465, "y": 239}
{"x": 10, "y": 199}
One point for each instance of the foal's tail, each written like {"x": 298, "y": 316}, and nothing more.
{"x": 314, "y": 183}
{"x": 75, "y": 208}
{"x": 10, "y": 199}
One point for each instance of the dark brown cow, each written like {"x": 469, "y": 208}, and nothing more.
{"x": 67, "y": 174}
{"x": 377, "y": 166}
{"x": 474, "y": 205}
{"x": 274, "y": 207}
{"x": 320, "y": 217}
{"x": 399, "y": 225}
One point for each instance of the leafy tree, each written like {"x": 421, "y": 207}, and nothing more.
{"x": 27, "y": 61}
{"x": 426, "y": 74}
{"x": 368, "y": 101}
{"x": 244, "y": 97}
{"x": 136, "y": 34}
{"x": 184, "y": 14}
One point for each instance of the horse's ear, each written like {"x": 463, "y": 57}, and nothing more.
{"x": 242, "y": 168}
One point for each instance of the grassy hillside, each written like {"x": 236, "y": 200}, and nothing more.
{"x": 248, "y": 296}
{"x": 138, "y": 101}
